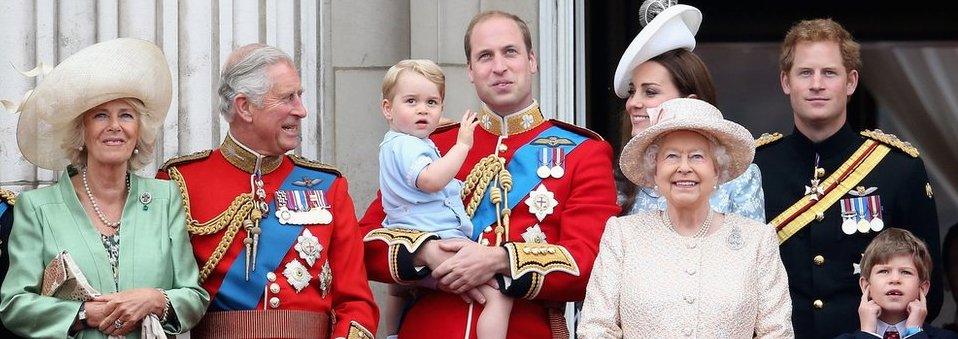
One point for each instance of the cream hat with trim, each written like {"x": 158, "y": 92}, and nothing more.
{"x": 115, "y": 69}
{"x": 673, "y": 28}
{"x": 694, "y": 115}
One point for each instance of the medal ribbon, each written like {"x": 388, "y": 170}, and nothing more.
{"x": 3, "y": 207}
{"x": 849, "y": 174}
{"x": 875, "y": 202}
{"x": 274, "y": 242}
{"x": 523, "y": 167}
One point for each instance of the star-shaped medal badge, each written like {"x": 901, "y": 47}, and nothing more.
{"x": 308, "y": 247}
{"x": 541, "y": 202}
{"x": 297, "y": 275}
{"x": 534, "y": 234}
{"x": 856, "y": 268}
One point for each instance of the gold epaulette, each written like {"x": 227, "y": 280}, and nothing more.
{"x": 185, "y": 159}
{"x": 578, "y": 129}
{"x": 767, "y": 138}
{"x": 891, "y": 140}
{"x": 316, "y": 165}
{"x": 9, "y": 197}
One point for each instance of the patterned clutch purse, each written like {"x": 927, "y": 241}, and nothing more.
{"x": 63, "y": 279}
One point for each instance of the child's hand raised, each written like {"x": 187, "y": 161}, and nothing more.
{"x": 868, "y": 312}
{"x": 917, "y": 310}
{"x": 466, "y": 128}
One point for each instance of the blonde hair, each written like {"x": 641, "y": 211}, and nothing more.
{"x": 76, "y": 151}
{"x": 816, "y": 31}
{"x": 894, "y": 242}
{"x": 425, "y": 67}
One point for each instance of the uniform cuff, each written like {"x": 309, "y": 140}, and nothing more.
{"x": 539, "y": 258}
{"x": 402, "y": 244}
{"x": 525, "y": 287}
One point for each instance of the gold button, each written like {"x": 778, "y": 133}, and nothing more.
{"x": 818, "y": 304}
{"x": 274, "y": 302}
{"x": 819, "y": 260}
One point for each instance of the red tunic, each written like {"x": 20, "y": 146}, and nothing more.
{"x": 586, "y": 199}
{"x": 212, "y": 183}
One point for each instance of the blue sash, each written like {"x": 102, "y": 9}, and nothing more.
{"x": 274, "y": 242}
{"x": 523, "y": 167}
{"x": 3, "y": 207}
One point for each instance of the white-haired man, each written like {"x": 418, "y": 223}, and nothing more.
{"x": 275, "y": 235}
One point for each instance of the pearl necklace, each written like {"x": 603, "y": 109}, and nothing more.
{"x": 96, "y": 206}
{"x": 703, "y": 230}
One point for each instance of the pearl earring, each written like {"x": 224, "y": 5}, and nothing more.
{"x": 136, "y": 151}
{"x": 80, "y": 148}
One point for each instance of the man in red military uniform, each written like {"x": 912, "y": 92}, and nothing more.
{"x": 275, "y": 235}
{"x": 538, "y": 192}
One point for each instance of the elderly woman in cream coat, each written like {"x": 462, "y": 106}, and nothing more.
{"x": 99, "y": 112}
{"x": 687, "y": 271}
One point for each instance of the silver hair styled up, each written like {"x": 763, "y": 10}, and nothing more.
{"x": 718, "y": 154}
{"x": 245, "y": 73}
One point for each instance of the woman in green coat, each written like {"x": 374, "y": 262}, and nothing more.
{"x": 97, "y": 115}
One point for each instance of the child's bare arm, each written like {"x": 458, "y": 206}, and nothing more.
{"x": 435, "y": 176}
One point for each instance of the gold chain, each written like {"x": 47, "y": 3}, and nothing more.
{"x": 239, "y": 210}
{"x": 215, "y": 224}
{"x": 225, "y": 242}
{"x": 478, "y": 181}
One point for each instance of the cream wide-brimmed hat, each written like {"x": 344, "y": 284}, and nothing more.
{"x": 690, "y": 115}
{"x": 672, "y": 28}
{"x": 115, "y": 69}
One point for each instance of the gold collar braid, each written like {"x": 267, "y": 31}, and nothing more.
{"x": 515, "y": 123}
{"x": 245, "y": 159}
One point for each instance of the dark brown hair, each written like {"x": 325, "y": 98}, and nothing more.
{"x": 894, "y": 242}
{"x": 523, "y": 27}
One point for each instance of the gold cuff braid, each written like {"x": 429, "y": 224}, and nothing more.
{"x": 357, "y": 331}
{"x": 410, "y": 239}
{"x": 539, "y": 258}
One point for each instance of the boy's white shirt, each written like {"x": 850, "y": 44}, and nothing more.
{"x": 883, "y": 327}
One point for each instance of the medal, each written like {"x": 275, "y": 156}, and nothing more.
{"x": 534, "y": 234}
{"x": 848, "y": 217}
{"x": 558, "y": 161}
{"x": 849, "y": 227}
{"x": 874, "y": 205}
{"x": 297, "y": 275}
{"x": 308, "y": 247}
{"x": 325, "y": 279}
{"x": 302, "y": 207}
{"x": 541, "y": 202}
{"x": 543, "y": 171}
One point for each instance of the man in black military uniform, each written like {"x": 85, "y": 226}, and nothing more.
{"x": 6, "y": 222}
{"x": 830, "y": 190}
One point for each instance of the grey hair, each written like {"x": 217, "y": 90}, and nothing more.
{"x": 719, "y": 155}
{"x": 245, "y": 73}
{"x": 73, "y": 142}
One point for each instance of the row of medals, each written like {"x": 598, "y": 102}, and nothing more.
{"x": 307, "y": 245}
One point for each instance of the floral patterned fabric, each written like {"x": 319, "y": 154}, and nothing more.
{"x": 112, "y": 245}
{"x": 742, "y": 196}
